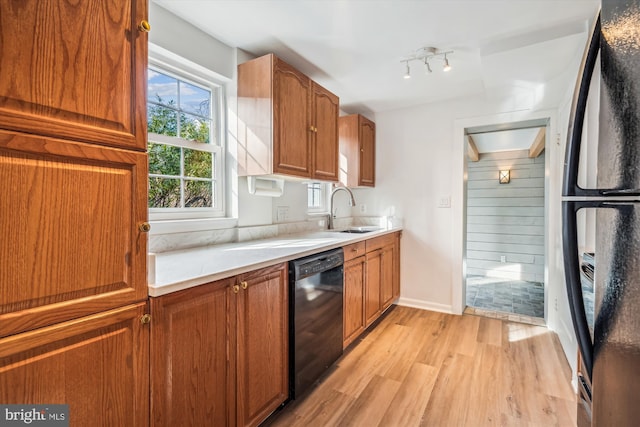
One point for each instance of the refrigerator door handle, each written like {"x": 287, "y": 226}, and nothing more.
{"x": 627, "y": 192}
{"x": 573, "y": 283}
{"x": 576, "y": 120}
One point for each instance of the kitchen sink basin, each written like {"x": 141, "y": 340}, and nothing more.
{"x": 360, "y": 230}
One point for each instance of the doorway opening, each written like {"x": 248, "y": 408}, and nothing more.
{"x": 505, "y": 221}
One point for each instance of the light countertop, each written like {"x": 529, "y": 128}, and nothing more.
{"x": 182, "y": 269}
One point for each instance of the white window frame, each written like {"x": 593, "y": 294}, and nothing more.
{"x": 185, "y": 70}
{"x": 324, "y": 198}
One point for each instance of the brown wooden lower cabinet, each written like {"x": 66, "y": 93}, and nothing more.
{"x": 354, "y": 279}
{"x": 98, "y": 365}
{"x": 191, "y": 380}
{"x": 220, "y": 351}
{"x": 372, "y": 282}
{"x": 372, "y": 306}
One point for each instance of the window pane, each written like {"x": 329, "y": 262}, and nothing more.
{"x": 162, "y": 88}
{"x": 164, "y": 159}
{"x": 314, "y": 195}
{"x": 198, "y": 194}
{"x": 197, "y": 163}
{"x": 195, "y": 100}
{"x": 164, "y": 193}
{"x": 194, "y": 128}
{"x": 162, "y": 120}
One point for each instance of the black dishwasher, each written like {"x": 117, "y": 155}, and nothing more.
{"x": 315, "y": 317}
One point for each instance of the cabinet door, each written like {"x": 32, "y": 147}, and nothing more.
{"x": 192, "y": 375}
{"x": 387, "y": 263}
{"x": 263, "y": 343}
{"x": 367, "y": 152}
{"x": 75, "y": 70}
{"x": 372, "y": 307}
{"x": 98, "y": 365}
{"x": 325, "y": 141}
{"x": 70, "y": 241}
{"x": 396, "y": 267}
{"x": 291, "y": 121}
{"x": 354, "y": 280}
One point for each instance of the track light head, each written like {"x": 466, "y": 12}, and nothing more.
{"x": 446, "y": 67}
{"x": 407, "y": 73}
{"x": 427, "y": 66}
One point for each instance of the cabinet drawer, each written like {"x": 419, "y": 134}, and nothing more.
{"x": 379, "y": 242}
{"x": 354, "y": 250}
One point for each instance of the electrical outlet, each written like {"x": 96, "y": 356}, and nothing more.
{"x": 444, "y": 202}
{"x": 282, "y": 213}
{"x": 363, "y": 208}
{"x": 503, "y": 258}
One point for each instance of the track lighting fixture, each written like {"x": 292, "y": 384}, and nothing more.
{"x": 425, "y": 55}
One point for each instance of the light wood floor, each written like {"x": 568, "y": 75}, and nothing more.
{"x": 421, "y": 368}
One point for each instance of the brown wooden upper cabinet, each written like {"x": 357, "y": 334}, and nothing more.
{"x": 287, "y": 123}
{"x": 75, "y": 70}
{"x": 358, "y": 147}
{"x": 74, "y": 210}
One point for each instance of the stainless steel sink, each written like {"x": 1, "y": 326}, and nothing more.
{"x": 360, "y": 230}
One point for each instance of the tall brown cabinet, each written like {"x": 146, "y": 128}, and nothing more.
{"x": 73, "y": 208}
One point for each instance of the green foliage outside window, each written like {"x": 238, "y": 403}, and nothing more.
{"x": 178, "y": 177}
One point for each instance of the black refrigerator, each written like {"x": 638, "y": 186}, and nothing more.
{"x": 603, "y": 275}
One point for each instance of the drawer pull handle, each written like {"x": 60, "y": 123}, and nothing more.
{"x": 145, "y": 319}
{"x": 245, "y": 285}
{"x": 144, "y": 227}
{"x": 236, "y": 289}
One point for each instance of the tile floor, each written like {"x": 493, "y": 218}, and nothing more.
{"x": 508, "y": 296}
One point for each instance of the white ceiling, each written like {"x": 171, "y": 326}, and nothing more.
{"x": 506, "y": 140}
{"x": 354, "y": 47}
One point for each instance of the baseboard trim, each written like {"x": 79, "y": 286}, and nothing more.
{"x": 425, "y": 305}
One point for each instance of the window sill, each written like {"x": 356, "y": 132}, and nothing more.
{"x": 188, "y": 225}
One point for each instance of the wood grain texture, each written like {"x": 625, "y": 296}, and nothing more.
{"x": 325, "y": 151}
{"x": 372, "y": 306}
{"x": 354, "y": 279}
{"x": 287, "y": 124}
{"x": 367, "y": 176}
{"x": 71, "y": 244}
{"x": 357, "y": 147}
{"x": 75, "y": 70}
{"x": 262, "y": 344}
{"x": 255, "y": 105}
{"x": 97, "y": 364}
{"x": 292, "y": 121}
{"x": 192, "y": 372}
{"x": 420, "y": 368}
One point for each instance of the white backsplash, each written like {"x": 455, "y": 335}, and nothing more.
{"x": 175, "y": 241}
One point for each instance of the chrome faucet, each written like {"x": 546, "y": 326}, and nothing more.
{"x": 332, "y": 213}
